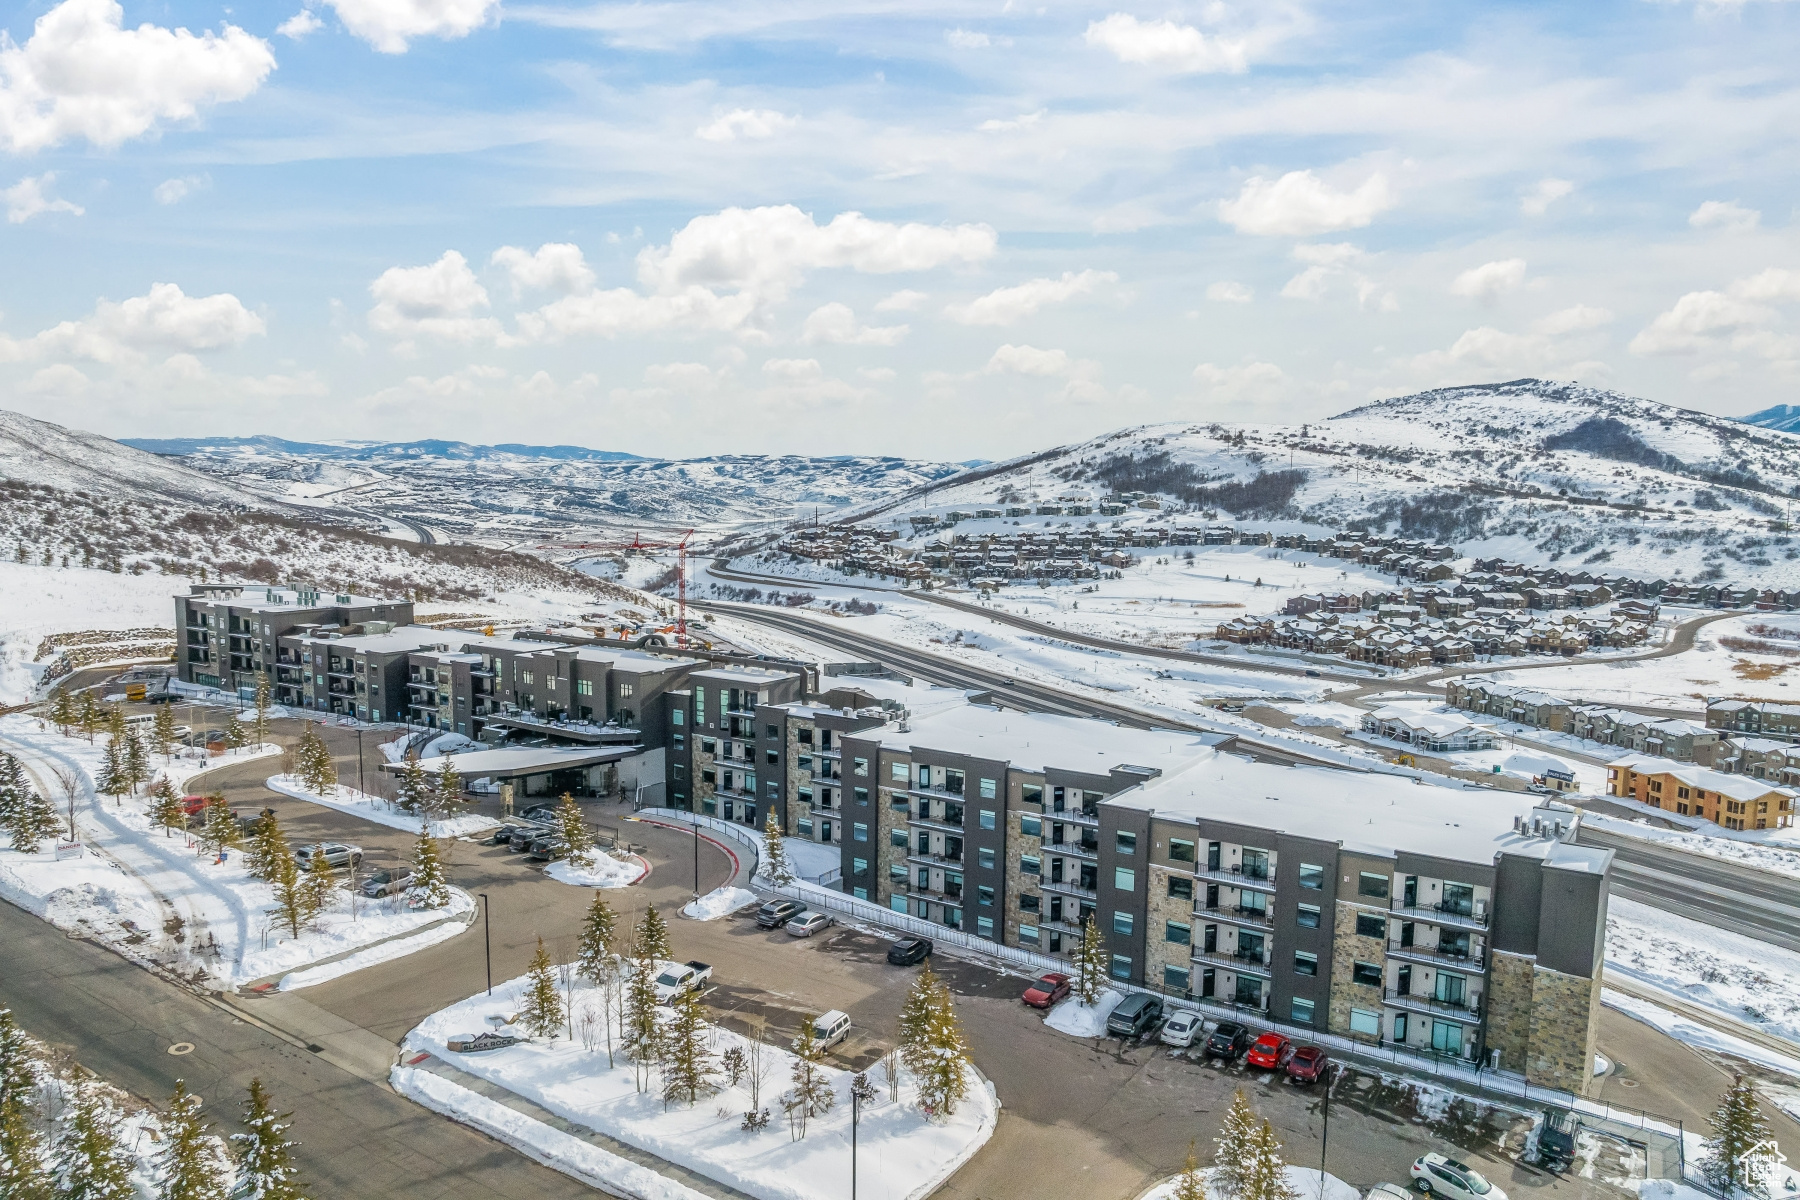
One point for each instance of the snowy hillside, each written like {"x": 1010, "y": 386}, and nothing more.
{"x": 33, "y": 451}
{"x": 1532, "y": 470}
{"x": 522, "y": 496}
{"x": 1785, "y": 417}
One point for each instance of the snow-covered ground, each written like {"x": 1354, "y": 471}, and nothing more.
{"x": 809, "y": 859}
{"x": 385, "y": 952}
{"x": 380, "y": 811}
{"x": 1076, "y": 1019}
{"x": 185, "y": 909}
{"x": 1775, "y": 850}
{"x": 1307, "y": 1184}
{"x": 602, "y": 871}
{"x": 1752, "y": 981}
{"x": 45, "y": 600}
{"x": 1701, "y": 1037}
{"x": 719, "y": 902}
{"x": 901, "y": 1154}
{"x": 1516, "y": 761}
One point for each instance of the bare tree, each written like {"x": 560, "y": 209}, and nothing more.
{"x": 589, "y": 1024}
{"x": 566, "y": 977}
{"x": 68, "y": 782}
{"x": 890, "y": 1074}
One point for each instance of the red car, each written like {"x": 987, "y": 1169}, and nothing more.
{"x": 1046, "y": 990}
{"x": 192, "y": 805}
{"x": 1271, "y": 1051}
{"x": 1308, "y": 1065}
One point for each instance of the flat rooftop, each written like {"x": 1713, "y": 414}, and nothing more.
{"x": 263, "y": 598}
{"x": 1035, "y": 741}
{"x": 751, "y": 676}
{"x": 525, "y": 760}
{"x": 402, "y": 637}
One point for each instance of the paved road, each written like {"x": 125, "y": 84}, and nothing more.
{"x": 1756, "y": 903}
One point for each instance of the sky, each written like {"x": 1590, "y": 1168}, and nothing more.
{"x": 693, "y": 227}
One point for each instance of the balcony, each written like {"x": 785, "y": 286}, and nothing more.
{"x": 1259, "y": 881}
{"x": 1066, "y": 925}
{"x": 1246, "y": 964}
{"x": 1467, "y": 1010}
{"x": 1075, "y": 849}
{"x": 953, "y": 899}
{"x": 1472, "y": 961}
{"x": 925, "y": 858}
{"x": 1451, "y": 916}
{"x": 1078, "y": 816}
{"x": 937, "y": 793}
{"x": 935, "y": 823}
{"x": 1237, "y": 914}
{"x": 1065, "y": 888}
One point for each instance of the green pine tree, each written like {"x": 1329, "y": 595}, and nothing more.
{"x": 542, "y": 1008}
{"x": 413, "y": 790}
{"x": 812, "y": 1094}
{"x": 63, "y": 712}
{"x": 652, "y": 940}
{"x": 113, "y": 718}
{"x": 165, "y": 806}
{"x": 312, "y": 758}
{"x": 1089, "y": 960}
{"x": 218, "y": 828}
{"x": 94, "y": 1164}
{"x": 596, "y": 960}
{"x": 1739, "y": 1150}
{"x": 577, "y": 837}
{"x": 136, "y": 762}
{"x": 190, "y": 1166}
{"x": 942, "y": 1070}
{"x": 23, "y": 1173}
{"x": 89, "y": 716}
{"x": 266, "y": 1168}
{"x": 1235, "y": 1148}
{"x": 113, "y": 780}
{"x": 162, "y": 731}
{"x": 293, "y": 894}
{"x": 1265, "y": 1176}
{"x": 916, "y": 1019}
{"x": 259, "y": 724}
{"x": 639, "y": 1029}
{"x": 430, "y": 886}
{"x": 689, "y": 1066}
{"x": 236, "y": 737}
{"x": 26, "y": 816}
{"x": 321, "y": 881}
{"x": 1189, "y": 1185}
{"x": 267, "y": 849}
{"x": 446, "y": 789}
{"x": 775, "y": 863}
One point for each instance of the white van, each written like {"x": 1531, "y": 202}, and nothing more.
{"x": 829, "y": 1029}
{"x": 139, "y": 720}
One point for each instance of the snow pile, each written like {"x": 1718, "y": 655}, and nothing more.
{"x": 718, "y": 903}
{"x": 1749, "y": 980}
{"x": 1307, "y": 1183}
{"x": 602, "y": 871}
{"x": 811, "y": 860}
{"x": 1776, "y": 850}
{"x": 1525, "y": 763}
{"x": 902, "y": 1156}
{"x": 374, "y": 808}
{"x": 1084, "y": 1020}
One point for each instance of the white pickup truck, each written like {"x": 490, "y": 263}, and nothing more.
{"x": 681, "y": 977}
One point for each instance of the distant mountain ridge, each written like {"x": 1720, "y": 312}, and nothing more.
{"x": 368, "y": 451}
{"x": 1785, "y": 417}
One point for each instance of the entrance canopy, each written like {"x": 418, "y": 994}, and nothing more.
{"x": 528, "y": 760}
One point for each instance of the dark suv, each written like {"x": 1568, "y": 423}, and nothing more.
{"x": 904, "y": 952}
{"x": 777, "y": 913}
{"x": 1228, "y": 1041}
{"x": 1136, "y": 1015}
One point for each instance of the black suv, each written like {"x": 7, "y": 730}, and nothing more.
{"x": 904, "y": 952}
{"x": 777, "y": 913}
{"x": 1228, "y": 1041}
{"x": 1136, "y": 1015}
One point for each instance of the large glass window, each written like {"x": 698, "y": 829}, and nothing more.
{"x": 1175, "y": 978}
{"x": 1305, "y": 963}
{"x": 1125, "y": 843}
{"x": 859, "y": 832}
{"x": 1301, "y": 1011}
{"x": 1365, "y": 1022}
{"x": 1179, "y": 933}
{"x": 1368, "y": 974}
{"x": 1180, "y": 850}
{"x": 1031, "y": 826}
{"x": 1124, "y": 879}
{"x": 1122, "y": 923}
{"x": 1373, "y": 883}
{"x": 989, "y": 819}
{"x": 1371, "y": 926}
{"x": 1121, "y": 966}
{"x": 984, "y": 896}
{"x": 1312, "y": 875}
{"x": 984, "y": 857}
{"x": 1180, "y": 888}
{"x": 899, "y": 772}
{"x": 1307, "y": 916}
{"x": 989, "y": 789}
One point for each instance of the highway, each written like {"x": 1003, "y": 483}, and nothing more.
{"x": 1725, "y": 895}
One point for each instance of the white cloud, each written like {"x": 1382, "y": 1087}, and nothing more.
{"x": 173, "y": 191}
{"x": 1022, "y": 121}
{"x": 1774, "y": 284}
{"x": 1003, "y": 306}
{"x": 1329, "y": 254}
{"x": 162, "y": 319}
{"x": 300, "y": 24}
{"x": 1544, "y": 193}
{"x": 1028, "y": 360}
{"x": 1739, "y": 318}
{"x": 83, "y": 75}
{"x": 388, "y": 25}
{"x": 1488, "y": 282}
{"x": 438, "y": 300}
{"x": 969, "y": 39}
{"x": 1167, "y": 45}
{"x": 1331, "y": 262}
{"x": 835, "y": 324}
{"x": 622, "y": 311}
{"x": 1300, "y": 204}
{"x": 1728, "y": 215}
{"x": 1228, "y": 291}
{"x": 1251, "y": 381}
{"x": 554, "y": 266}
{"x": 904, "y": 300}
{"x": 31, "y": 196}
{"x": 794, "y": 368}
{"x": 877, "y": 374}
{"x": 746, "y": 123}
{"x": 683, "y": 376}
{"x": 1578, "y": 319}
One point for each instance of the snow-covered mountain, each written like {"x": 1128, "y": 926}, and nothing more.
{"x": 33, "y": 451}
{"x": 1783, "y": 416}
{"x": 1530, "y": 470}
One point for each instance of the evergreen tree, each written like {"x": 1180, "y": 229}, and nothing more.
{"x": 1089, "y": 960}
{"x": 688, "y": 1065}
{"x": 1739, "y": 1149}
{"x": 293, "y": 895}
{"x": 218, "y": 828}
{"x": 165, "y": 805}
{"x": 113, "y": 717}
{"x": 136, "y": 762}
{"x": 1189, "y": 1185}
{"x": 430, "y": 886}
{"x": 413, "y": 791}
{"x": 162, "y": 731}
{"x": 113, "y": 780}
{"x": 266, "y": 1168}
{"x": 22, "y": 1169}
{"x": 575, "y": 834}
{"x": 259, "y": 724}
{"x": 639, "y": 1029}
{"x": 268, "y": 849}
{"x": 915, "y": 1017}
{"x": 652, "y": 942}
{"x": 321, "y": 881}
{"x": 812, "y": 1094}
{"x": 542, "y": 1008}
{"x": 235, "y": 735}
{"x": 88, "y": 716}
{"x": 1265, "y": 1174}
{"x": 24, "y": 814}
{"x": 596, "y": 959}
{"x": 446, "y": 789}
{"x": 942, "y": 1067}
{"x": 318, "y": 773}
{"x": 1235, "y": 1148}
{"x": 63, "y": 712}
{"x": 775, "y": 863}
{"x": 12, "y": 789}
{"x": 190, "y": 1166}
{"x": 93, "y": 1164}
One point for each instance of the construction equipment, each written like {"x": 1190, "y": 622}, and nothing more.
{"x": 637, "y": 545}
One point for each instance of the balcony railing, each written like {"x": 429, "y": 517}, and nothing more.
{"x": 1261, "y": 881}
{"x": 1069, "y": 889}
{"x": 936, "y": 823}
{"x": 1467, "y": 1010}
{"x": 1076, "y": 815}
{"x": 1462, "y": 960}
{"x": 952, "y": 862}
{"x": 1236, "y": 914}
{"x": 1253, "y": 964}
{"x": 954, "y": 899}
{"x": 1454, "y": 915}
{"x": 1075, "y": 849}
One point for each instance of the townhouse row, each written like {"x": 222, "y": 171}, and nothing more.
{"x": 1734, "y": 801}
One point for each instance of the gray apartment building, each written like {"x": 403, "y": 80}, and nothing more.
{"x": 227, "y": 633}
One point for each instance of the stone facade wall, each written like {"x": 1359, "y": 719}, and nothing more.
{"x": 1510, "y": 1008}
{"x": 1018, "y": 845}
{"x": 1160, "y": 909}
{"x": 886, "y": 853}
{"x": 1347, "y": 947}
{"x": 1565, "y": 1021}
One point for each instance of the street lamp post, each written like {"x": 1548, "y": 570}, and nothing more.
{"x": 362, "y": 783}
{"x": 487, "y": 941}
{"x": 855, "y": 1120}
{"x": 1325, "y": 1133}
{"x": 696, "y": 826}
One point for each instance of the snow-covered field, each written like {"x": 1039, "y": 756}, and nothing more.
{"x": 45, "y": 600}
{"x": 901, "y": 1154}
{"x": 1680, "y": 681}
{"x": 1307, "y": 1183}
{"x": 720, "y": 902}
{"x": 380, "y": 811}
{"x": 1752, "y": 981}
{"x": 184, "y": 909}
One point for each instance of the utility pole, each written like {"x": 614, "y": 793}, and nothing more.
{"x": 1325, "y": 1133}
{"x": 695, "y": 815}
{"x": 362, "y": 783}
{"x": 488, "y": 942}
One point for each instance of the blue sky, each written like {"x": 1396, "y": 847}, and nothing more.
{"x": 698, "y": 227}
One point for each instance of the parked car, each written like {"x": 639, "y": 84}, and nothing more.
{"x": 337, "y": 855}
{"x": 248, "y": 826}
{"x": 1388, "y": 1191}
{"x": 1228, "y": 1041}
{"x": 503, "y": 835}
{"x": 1136, "y": 1016}
{"x": 540, "y": 812}
{"x": 828, "y": 1029}
{"x": 1046, "y": 990}
{"x": 523, "y": 835}
{"x": 192, "y": 806}
{"x": 681, "y": 977}
{"x": 1435, "y": 1172}
{"x": 904, "y": 952}
{"x": 1308, "y": 1065}
{"x": 1181, "y": 1028}
{"x": 387, "y": 881}
{"x": 548, "y": 848}
{"x": 1311, "y": 674}
{"x": 809, "y": 923}
{"x": 1271, "y": 1052}
{"x": 777, "y": 913}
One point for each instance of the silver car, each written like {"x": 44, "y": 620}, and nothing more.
{"x": 808, "y": 923}
{"x": 1444, "y": 1176}
{"x": 337, "y": 854}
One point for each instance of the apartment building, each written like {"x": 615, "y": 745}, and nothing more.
{"x": 1760, "y": 758}
{"x": 1667, "y": 737}
{"x": 1734, "y": 801}
{"x": 725, "y": 760}
{"x": 1437, "y": 733}
{"x": 1508, "y": 702}
{"x": 227, "y": 633}
{"x": 1778, "y": 721}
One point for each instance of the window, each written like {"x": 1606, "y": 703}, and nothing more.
{"x": 1180, "y": 850}
{"x": 862, "y": 795}
{"x": 899, "y": 772}
{"x": 1031, "y": 826}
{"x": 984, "y": 927}
{"x": 984, "y": 896}
{"x": 1121, "y": 966}
{"x": 1124, "y": 879}
{"x": 625, "y": 689}
{"x": 1301, "y": 1011}
{"x": 1312, "y": 875}
{"x": 1122, "y": 923}
{"x": 1175, "y": 978}
{"x": 1029, "y": 866}
{"x": 1305, "y": 964}
{"x": 1307, "y": 917}
{"x": 1126, "y": 843}
{"x": 1031, "y": 793}
{"x": 708, "y": 746}
{"x": 1028, "y": 934}
{"x": 773, "y": 757}
{"x": 1371, "y": 926}
{"x": 859, "y": 867}
{"x": 527, "y": 677}
{"x": 773, "y": 731}
{"x": 984, "y": 857}
{"x": 1181, "y": 889}
{"x": 585, "y": 687}
{"x": 953, "y": 781}
{"x": 988, "y": 820}
{"x": 1178, "y": 933}
{"x": 897, "y": 875}
{"x": 860, "y": 893}
{"x": 1368, "y": 974}
{"x": 1372, "y": 883}
{"x": 897, "y": 903}
{"x": 1030, "y": 904}
{"x": 859, "y": 832}
{"x": 859, "y": 766}
{"x": 1365, "y": 1022}
{"x": 897, "y": 837}
{"x": 804, "y": 826}
{"x": 989, "y": 789}
{"x": 897, "y": 801}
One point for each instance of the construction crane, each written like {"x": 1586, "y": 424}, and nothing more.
{"x": 637, "y": 545}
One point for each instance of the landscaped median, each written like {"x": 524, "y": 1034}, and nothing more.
{"x": 374, "y": 808}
